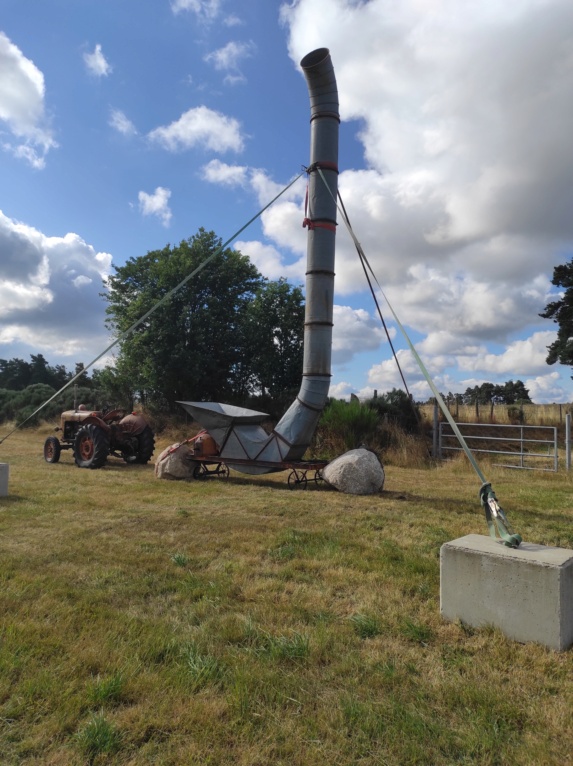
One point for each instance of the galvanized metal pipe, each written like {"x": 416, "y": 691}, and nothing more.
{"x": 299, "y": 422}
{"x": 238, "y": 432}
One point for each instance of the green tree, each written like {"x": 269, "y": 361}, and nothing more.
{"x": 39, "y": 370}
{"x": 397, "y": 407}
{"x": 506, "y": 393}
{"x": 83, "y": 379}
{"x": 193, "y": 346}
{"x": 514, "y": 393}
{"x": 561, "y": 312}
{"x": 14, "y": 374}
{"x": 275, "y": 334}
{"x": 113, "y": 387}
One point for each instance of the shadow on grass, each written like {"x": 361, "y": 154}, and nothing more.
{"x": 9, "y": 500}
{"x": 448, "y": 504}
{"x": 312, "y": 486}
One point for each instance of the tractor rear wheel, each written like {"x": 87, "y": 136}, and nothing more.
{"x": 91, "y": 447}
{"x": 145, "y": 447}
{"x": 52, "y": 449}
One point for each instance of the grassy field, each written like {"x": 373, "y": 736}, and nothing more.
{"x": 240, "y": 622}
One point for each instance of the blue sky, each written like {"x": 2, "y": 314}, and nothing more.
{"x": 127, "y": 126}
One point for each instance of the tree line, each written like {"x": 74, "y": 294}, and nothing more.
{"x": 510, "y": 392}
{"x": 17, "y": 374}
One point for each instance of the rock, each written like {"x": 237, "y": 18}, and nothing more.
{"x": 175, "y": 462}
{"x": 357, "y": 472}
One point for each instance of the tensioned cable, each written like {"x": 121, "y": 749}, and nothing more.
{"x": 493, "y": 512}
{"x": 159, "y": 303}
{"x": 358, "y": 250}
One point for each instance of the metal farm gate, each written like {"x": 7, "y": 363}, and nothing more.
{"x": 527, "y": 447}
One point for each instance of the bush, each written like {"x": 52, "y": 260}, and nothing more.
{"x": 347, "y": 425}
{"x": 388, "y": 425}
{"x": 17, "y": 406}
{"x": 397, "y": 407}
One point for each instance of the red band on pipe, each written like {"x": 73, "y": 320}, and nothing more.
{"x": 317, "y": 225}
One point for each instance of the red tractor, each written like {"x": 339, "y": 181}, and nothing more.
{"x": 94, "y": 435}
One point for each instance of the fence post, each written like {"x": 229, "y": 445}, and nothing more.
{"x": 435, "y": 433}
{"x": 568, "y": 441}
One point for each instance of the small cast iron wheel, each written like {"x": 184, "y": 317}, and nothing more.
{"x": 52, "y": 449}
{"x": 318, "y": 476}
{"x": 91, "y": 447}
{"x": 297, "y": 479}
{"x": 144, "y": 446}
{"x": 199, "y": 471}
{"x": 223, "y": 471}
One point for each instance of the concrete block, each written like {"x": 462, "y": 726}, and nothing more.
{"x": 4, "y": 471}
{"x": 526, "y": 592}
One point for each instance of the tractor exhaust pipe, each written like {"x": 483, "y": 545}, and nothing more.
{"x": 298, "y": 424}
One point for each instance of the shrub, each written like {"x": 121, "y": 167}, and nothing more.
{"x": 17, "y": 406}
{"x": 347, "y": 425}
{"x": 396, "y": 407}
{"x": 389, "y": 425}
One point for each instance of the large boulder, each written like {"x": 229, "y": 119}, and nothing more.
{"x": 357, "y": 472}
{"x": 175, "y": 462}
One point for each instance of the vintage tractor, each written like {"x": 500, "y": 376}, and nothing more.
{"x": 94, "y": 435}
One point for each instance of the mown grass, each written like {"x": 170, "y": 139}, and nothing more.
{"x": 239, "y": 622}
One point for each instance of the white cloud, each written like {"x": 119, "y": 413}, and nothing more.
{"x": 520, "y": 358}
{"x": 386, "y": 375}
{"x": 40, "y": 278}
{"x": 441, "y": 354}
{"x": 232, "y": 21}
{"x": 270, "y": 262}
{"x": 432, "y": 301}
{"x": 118, "y": 121}
{"x": 200, "y": 126}
{"x": 156, "y": 204}
{"x": 340, "y": 390}
{"x": 474, "y": 94}
{"x": 546, "y": 389}
{"x": 205, "y": 10}
{"x": 217, "y": 172}
{"x": 354, "y": 332}
{"x": 96, "y": 63}
{"x": 465, "y": 121}
{"x": 22, "y": 106}
{"x": 228, "y": 58}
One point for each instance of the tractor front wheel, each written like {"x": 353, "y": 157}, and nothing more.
{"x": 52, "y": 449}
{"x": 91, "y": 447}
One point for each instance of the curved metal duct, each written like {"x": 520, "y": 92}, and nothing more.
{"x": 237, "y": 431}
{"x": 299, "y": 422}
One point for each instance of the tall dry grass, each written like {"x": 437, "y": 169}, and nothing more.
{"x": 528, "y": 414}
